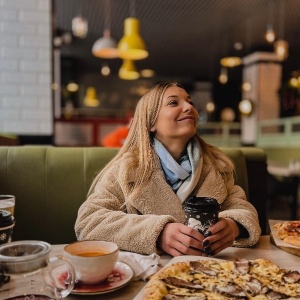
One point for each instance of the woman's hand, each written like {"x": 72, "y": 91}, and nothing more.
{"x": 178, "y": 239}
{"x": 220, "y": 236}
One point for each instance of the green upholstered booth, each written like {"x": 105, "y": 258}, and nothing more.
{"x": 50, "y": 183}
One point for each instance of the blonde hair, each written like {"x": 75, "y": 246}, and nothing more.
{"x": 138, "y": 144}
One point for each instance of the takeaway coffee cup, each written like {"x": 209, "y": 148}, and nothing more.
{"x": 93, "y": 260}
{"x": 7, "y": 223}
{"x": 201, "y": 212}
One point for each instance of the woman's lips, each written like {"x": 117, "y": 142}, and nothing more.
{"x": 187, "y": 119}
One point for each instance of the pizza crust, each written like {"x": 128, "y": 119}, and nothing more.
{"x": 292, "y": 240}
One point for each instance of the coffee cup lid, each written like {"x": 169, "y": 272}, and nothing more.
{"x": 202, "y": 203}
{"x": 6, "y": 218}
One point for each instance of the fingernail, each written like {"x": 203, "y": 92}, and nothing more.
{"x": 207, "y": 250}
{"x": 205, "y": 243}
{"x": 207, "y": 233}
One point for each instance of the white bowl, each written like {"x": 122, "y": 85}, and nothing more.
{"x": 93, "y": 260}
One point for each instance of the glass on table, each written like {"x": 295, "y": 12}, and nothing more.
{"x": 7, "y": 202}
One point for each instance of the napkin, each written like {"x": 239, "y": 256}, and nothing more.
{"x": 142, "y": 265}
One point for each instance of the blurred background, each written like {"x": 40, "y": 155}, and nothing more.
{"x": 73, "y": 70}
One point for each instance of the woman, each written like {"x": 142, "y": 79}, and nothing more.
{"x": 136, "y": 200}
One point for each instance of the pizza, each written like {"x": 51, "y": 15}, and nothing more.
{"x": 288, "y": 231}
{"x": 212, "y": 279}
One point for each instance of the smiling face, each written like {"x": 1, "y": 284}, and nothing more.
{"x": 177, "y": 118}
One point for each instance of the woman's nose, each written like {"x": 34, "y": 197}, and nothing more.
{"x": 188, "y": 107}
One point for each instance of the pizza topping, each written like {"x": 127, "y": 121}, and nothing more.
{"x": 242, "y": 265}
{"x": 292, "y": 277}
{"x": 254, "y": 286}
{"x": 230, "y": 290}
{"x": 177, "y": 297}
{"x": 197, "y": 267}
{"x": 182, "y": 283}
{"x": 275, "y": 296}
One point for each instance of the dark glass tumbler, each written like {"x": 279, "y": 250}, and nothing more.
{"x": 6, "y": 226}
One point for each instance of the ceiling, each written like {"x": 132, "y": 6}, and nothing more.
{"x": 184, "y": 38}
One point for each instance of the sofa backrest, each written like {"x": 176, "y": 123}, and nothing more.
{"x": 50, "y": 183}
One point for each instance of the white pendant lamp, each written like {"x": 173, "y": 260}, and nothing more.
{"x": 128, "y": 71}
{"x": 106, "y": 46}
{"x": 132, "y": 46}
{"x": 79, "y": 27}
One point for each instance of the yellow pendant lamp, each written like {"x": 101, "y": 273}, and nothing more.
{"x": 90, "y": 98}
{"x": 131, "y": 46}
{"x": 128, "y": 71}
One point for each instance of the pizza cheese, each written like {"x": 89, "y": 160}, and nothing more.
{"x": 289, "y": 232}
{"x": 220, "y": 279}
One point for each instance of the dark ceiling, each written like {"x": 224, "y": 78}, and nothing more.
{"x": 184, "y": 38}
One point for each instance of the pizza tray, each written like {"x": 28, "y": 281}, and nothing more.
{"x": 280, "y": 243}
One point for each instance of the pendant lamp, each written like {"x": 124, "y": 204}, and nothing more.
{"x": 281, "y": 47}
{"x": 270, "y": 34}
{"x": 231, "y": 61}
{"x": 80, "y": 27}
{"x": 131, "y": 46}
{"x": 106, "y": 46}
{"x": 128, "y": 71}
{"x": 90, "y": 98}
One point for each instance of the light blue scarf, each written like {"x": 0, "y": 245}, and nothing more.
{"x": 176, "y": 173}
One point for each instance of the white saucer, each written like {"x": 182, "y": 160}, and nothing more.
{"x": 120, "y": 276}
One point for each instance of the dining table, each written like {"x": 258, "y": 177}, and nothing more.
{"x": 264, "y": 248}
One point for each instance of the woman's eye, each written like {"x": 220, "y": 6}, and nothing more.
{"x": 172, "y": 103}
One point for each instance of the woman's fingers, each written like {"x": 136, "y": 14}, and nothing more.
{"x": 178, "y": 239}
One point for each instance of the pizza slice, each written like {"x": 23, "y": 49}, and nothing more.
{"x": 289, "y": 232}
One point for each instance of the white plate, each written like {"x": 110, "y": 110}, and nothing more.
{"x": 120, "y": 276}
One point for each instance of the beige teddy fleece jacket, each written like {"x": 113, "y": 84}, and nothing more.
{"x": 135, "y": 220}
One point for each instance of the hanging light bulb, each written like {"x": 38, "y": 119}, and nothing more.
{"x": 270, "y": 34}
{"x": 105, "y": 47}
{"x": 246, "y": 107}
{"x": 223, "y": 77}
{"x": 210, "y": 107}
{"x": 105, "y": 70}
{"x": 72, "y": 87}
{"x": 281, "y": 48}
{"x": 231, "y": 61}
{"x": 90, "y": 98}
{"x": 246, "y": 86}
{"x": 131, "y": 46}
{"x": 79, "y": 27}
{"x": 128, "y": 70}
